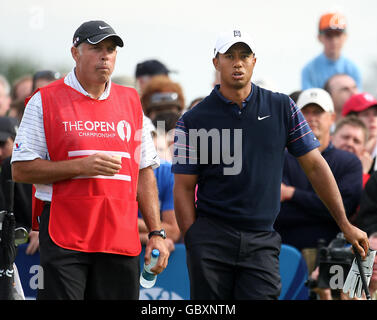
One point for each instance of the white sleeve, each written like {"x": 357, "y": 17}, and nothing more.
{"x": 30, "y": 141}
{"x": 148, "y": 155}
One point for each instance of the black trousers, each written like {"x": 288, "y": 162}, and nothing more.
{"x": 74, "y": 275}
{"x": 225, "y": 263}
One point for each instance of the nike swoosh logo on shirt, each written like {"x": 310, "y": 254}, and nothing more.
{"x": 265, "y": 117}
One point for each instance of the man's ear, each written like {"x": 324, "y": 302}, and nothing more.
{"x": 215, "y": 62}
{"x": 75, "y": 53}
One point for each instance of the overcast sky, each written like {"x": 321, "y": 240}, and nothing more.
{"x": 182, "y": 34}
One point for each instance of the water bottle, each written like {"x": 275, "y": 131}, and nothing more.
{"x": 148, "y": 278}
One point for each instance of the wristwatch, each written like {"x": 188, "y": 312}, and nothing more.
{"x": 160, "y": 233}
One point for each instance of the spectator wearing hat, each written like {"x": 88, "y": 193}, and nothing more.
{"x": 332, "y": 35}
{"x": 44, "y": 77}
{"x": 340, "y": 87}
{"x": 146, "y": 70}
{"x": 162, "y": 95}
{"x": 303, "y": 218}
{"x": 364, "y": 105}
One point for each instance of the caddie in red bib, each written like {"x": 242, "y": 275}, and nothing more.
{"x": 82, "y": 143}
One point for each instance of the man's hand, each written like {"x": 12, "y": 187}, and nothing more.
{"x": 366, "y": 161}
{"x": 354, "y": 285}
{"x": 7, "y": 245}
{"x": 100, "y": 164}
{"x": 286, "y": 192}
{"x": 33, "y": 242}
{"x": 358, "y": 239}
{"x": 156, "y": 242}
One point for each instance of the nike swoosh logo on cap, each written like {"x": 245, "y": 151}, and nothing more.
{"x": 103, "y": 27}
{"x": 265, "y": 117}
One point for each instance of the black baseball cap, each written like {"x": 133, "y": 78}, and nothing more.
{"x": 151, "y": 68}
{"x": 94, "y": 32}
{"x": 8, "y": 128}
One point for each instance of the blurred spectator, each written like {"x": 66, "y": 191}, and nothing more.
{"x": 351, "y": 135}
{"x": 8, "y": 131}
{"x": 16, "y": 110}
{"x": 22, "y": 88}
{"x": 373, "y": 280}
{"x": 341, "y": 87}
{"x": 164, "y": 139}
{"x": 366, "y": 217}
{"x": 5, "y": 99}
{"x": 194, "y": 102}
{"x": 303, "y": 218}
{"x": 364, "y": 105}
{"x": 43, "y": 78}
{"x": 332, "y": 35}
{"x": 126, "y": 81}
{"x": 162, "y": 95}
{"x": 294, "y": 95}
{"x": 146, "y": 70}
{"x": 22, "y": 192}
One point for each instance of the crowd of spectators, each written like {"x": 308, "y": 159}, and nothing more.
{"x": 341, "y": 115}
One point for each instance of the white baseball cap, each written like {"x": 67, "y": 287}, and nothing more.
{"x": 229, "y": 38}
{"x": 316, "y": 96}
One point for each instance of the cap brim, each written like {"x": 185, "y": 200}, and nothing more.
{"x": 226, "y": 47}
{"x": 98, "y": 38}
{"x": 332, "y": 29}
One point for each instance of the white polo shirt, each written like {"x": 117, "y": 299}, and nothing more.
{"x": 30, "y": 141}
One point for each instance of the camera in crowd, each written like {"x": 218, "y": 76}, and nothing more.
{"x": 21, "y": 234}
{"x": 334, "y": 260}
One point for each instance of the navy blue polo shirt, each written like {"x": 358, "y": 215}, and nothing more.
{"x": 238, "y": 154}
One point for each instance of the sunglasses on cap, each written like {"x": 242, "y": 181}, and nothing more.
{"x": 164, "y": 97}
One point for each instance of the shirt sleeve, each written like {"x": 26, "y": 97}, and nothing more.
{"x": 148, "y": 156}
{"x": 185, "y": 160}
{"x": 30, "y": 141}
{"x": 301, "y": 138}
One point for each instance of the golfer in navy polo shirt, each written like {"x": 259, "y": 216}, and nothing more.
{"x": 231, "y": 145}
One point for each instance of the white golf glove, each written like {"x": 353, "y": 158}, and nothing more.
{"x": 354, "y": 285}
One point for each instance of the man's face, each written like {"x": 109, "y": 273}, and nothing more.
{"x": 5, "y": 101}
{"x": 369, "y": 117}
{"x": 319, "y": 120}
{"x": 333, "y": 42}
{"x": 6, "y": 148}
{"x": 235, "y": 66}
{"x": 342, "y": 87}
{"x": 95, "y": 62}
{"x": 350, "y": 138}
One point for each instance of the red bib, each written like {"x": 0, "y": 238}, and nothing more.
{"x": 94, "y": 214}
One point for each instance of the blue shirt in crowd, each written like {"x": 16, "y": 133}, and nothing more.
{"x": 320, "y": 69}
{"x": 165, "y": 184}
{"x": 238, "y": 154}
